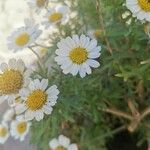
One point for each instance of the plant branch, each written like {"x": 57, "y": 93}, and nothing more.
{"x": 118, "y": 113}
{"x": 145, "y": 113}
{"x": 133, "y": 109}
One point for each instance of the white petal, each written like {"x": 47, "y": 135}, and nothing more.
{"x": 75, "y": 69}
{"x": 2, "y": 99}
{"x": 32, "y": 86}
{"x": 69, "y": 42}
{"x": 47, "y": 109}
{"x": 20, "y": 108}
{"x": 29, "y": 115}
{"x": 93, "y": 63}
{"x": 94, "y": 55}
{"x": 39, "y": 115}
{"x": 37, "y": 83}
{"x": 53, "y": 144}
{"x": 93, "y": 44}
{"x": 61, "y": 52}
{"x": 64, "y": 141}
{"x": 52, "y": 100}
{"x": 73, "y": 147}
{"x": 12, "y": 63}
{"x": 68, "y": 69}
{"x": 87, "y": 68}
{"x": 52, "y": 90}
{"x": 4, "y": 67}
{"x": 24, "y": 92}
{"x": 20, "y": 65}
{"x": 28, "y": 72}
{"x": 63, "y": 9}
{"x": 82, "y": 40}
{"x": 76, "y": 39}
{"x": 27, "y": 82}
{"x": 82, "y": 72}
{"x": 44, "y": 84}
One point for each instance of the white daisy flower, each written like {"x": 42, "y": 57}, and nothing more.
{"x": 77, "y": 54}
{"x": 38, "y": 5}
{"x": 94, "y": 34}
{"x": 62, "y": 143}
{"x": 19, "y": 129}
{"x": 4, "y": 133}
{"x": 23, "y": 37}
{"x": 59, "y": 14}
{"x": 38, "y": 99}
{"x": 9, "y": 115}
{"x": 139, "y": 8}
{"x": 14, "y": 76}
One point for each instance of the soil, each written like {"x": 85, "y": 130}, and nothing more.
{"x": 125, "y": 141}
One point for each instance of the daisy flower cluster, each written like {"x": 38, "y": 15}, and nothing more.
{"x": 62, "y": 143}
{"x": 28, "y": 99}
{"x": 31, "y": 98}
{"x": 11, "y": 126}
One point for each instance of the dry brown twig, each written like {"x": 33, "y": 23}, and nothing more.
{"x": 135, "y": 117}
{"x": 101, "y": 20}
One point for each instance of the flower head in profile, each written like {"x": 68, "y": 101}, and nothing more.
{"x": 77, "y": 54}
{"x": 37, "y": 5}
{"x": 139, "y": 8}
{"x": 14, "y": 76}
{"x": 4, "y": 133}
{"x": 95, "y": 34}
{"x": 24, "y": 36}
{"x": 62, "y": 143}
{"x": 38, "y": 100}
{"x": 19, "y": 129}
{"x": 59, "y": 14}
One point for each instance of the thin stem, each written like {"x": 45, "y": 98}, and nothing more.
{"x": 118, "y": 113}
{"x": 36, "y": 44}
{"x": 101, "y": 20}
{"x": 132, "y": 108}
{"x": 39, "y": 58}
{"x": 145, "y": 113}
{"x": 35, "y": 53}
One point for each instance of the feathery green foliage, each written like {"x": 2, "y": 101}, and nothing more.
{"x": 121, "y": 83}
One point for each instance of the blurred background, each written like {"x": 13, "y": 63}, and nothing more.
{"x": 12, "y": 14}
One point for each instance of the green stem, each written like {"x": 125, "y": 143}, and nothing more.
{"x": 39, "y": 58}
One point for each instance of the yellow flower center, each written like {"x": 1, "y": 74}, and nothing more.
{"x": 36, "y": 100}
{"x": 22, "y": 127}
{"x": 145, "y": 5}
{"x": 55, "y": 17}
{"x": 78, "y": 55}
{"x": 3, "y": 132}
{"x": 40, "y": 3}
{"x": 11, "y": 81}
{"x": 97, "y": 33}
{"x": 22, "y": 39}
{"x": 60, "y": 148}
